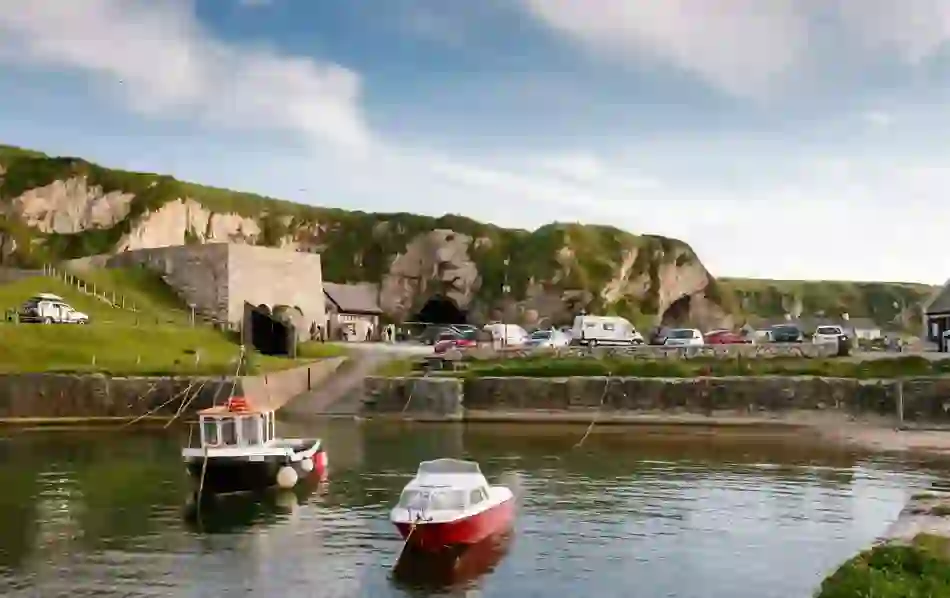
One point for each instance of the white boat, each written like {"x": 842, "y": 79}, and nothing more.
{"x": 239, "y": 451}
{"x": 450, "y": 503}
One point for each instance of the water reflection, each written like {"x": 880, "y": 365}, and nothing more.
{"x": 631, "y": 512}
{"x": 451, "y": 570}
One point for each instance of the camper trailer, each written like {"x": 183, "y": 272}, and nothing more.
{"x": 604, "y": 330}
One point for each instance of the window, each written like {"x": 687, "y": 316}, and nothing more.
{"x": 251, "y": 430}
{"x": 267, "y": 434}
{"x": 680, "y": 333}
{"x": 209, "y": 430}
{"x": 228, "y": 431}
{"x": 447, "y": 500}
{"x": 477, "y": 495}
{"x": 828, "y": 330}
{"x": 608, "y": 326}
{"x": 414, "y": 499}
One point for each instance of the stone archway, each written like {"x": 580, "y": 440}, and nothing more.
{"x": 677, "y": 314}
{"x": 441, "y": 310}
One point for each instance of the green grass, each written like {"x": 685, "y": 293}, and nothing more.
{"x": 124, "y": 350}
{"x": 144, "y": 290}
{"x": 921, "y": 570}
{"x": 549, "y": 367}
{"x": 317, "y": 350}
{"x": 156, "y": 339}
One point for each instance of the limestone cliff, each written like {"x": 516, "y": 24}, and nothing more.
{"x": 57, "y": 208}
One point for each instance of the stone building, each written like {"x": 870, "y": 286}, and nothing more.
{"x": 937, "y": 316}
{"x": 352, "y": 310}
{"x": 217, "y": 278}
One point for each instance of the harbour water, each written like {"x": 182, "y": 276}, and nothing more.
{"x": 635, "y": 512}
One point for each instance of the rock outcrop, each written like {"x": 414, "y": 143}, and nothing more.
{"x": 64, "y": 208}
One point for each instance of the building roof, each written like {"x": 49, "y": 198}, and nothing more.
{"x": 357, "y": 298}
{"x": 939, "y": 303}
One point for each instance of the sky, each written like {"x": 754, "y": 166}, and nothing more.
{"x": 791, "y": 139}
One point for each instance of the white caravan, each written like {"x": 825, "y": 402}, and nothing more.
{"x": 507, "y": 335}
{"x": 604, "y": 330}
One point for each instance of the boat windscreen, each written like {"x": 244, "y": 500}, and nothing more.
{"x": 433, "y": 500}
{"x": 448, "y": 466}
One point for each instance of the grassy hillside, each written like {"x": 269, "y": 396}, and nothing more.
{"x": 355, "y": 246}
{"x": 898, "y": 304}
{"x": 156, "y": 339}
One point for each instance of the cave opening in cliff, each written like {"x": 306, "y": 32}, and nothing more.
{"x": 441, "y": 310}
{"x": 677, "y": 314}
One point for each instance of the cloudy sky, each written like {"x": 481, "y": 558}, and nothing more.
{"x": 781, "y": 138}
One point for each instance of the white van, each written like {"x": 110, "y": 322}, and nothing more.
{"x": 507, "y": 335}
{"x": 604, "y": 330}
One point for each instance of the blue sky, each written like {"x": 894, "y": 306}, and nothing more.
{"x": 781, "y": 138}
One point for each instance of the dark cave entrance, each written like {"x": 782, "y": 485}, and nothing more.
{"x": 441, "y": 310}
{"x": 677, "y": 314}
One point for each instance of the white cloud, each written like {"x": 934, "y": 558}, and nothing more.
{"x": 164, "y": 63}
{"x": 878, "y": 118}
{"x": 750, "y": 47}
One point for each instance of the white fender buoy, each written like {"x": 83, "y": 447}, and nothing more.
{"x": 306, "y": 464}
{"x": 286, "y": 477}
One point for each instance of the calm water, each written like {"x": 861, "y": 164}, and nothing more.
{"x": 635, "y": 513}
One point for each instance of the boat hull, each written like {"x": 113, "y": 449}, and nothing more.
{"x": 467, "y": 531}
{"x": 226, "y": 475}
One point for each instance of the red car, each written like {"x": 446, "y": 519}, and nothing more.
{"x": 454, "y": 340}
{"x": 725, "y": 337}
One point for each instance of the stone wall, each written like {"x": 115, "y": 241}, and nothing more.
{"x": 90, "y": 397}
{"x": 917, "y": 402}
{"x": 96, "y": 396}
{"x": 217, "y": 278}
{"x": 199, "y": 273}
{"x": 439, "y": 398}
{"x": 750, "y": 351}
{"x": 277, "y": 277}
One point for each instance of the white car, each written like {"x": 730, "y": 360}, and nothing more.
{"x": 508, "y": 335}
{"x": 684, "y": 337}
{"x": 46, "y": 308}
{"x": 828, "y": 334}
{"x": 549, "y": 339}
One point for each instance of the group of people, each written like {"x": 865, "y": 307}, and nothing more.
{"x": 339, "y": 333}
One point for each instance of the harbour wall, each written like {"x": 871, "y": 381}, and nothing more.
{"x": 911, "y": 402}
{"x": 40, "y": 398}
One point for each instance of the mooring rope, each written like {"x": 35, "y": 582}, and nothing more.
{"x": 151, "y": 411}
{"x": 603, "y": 397}
{"x": 412, "y": 528}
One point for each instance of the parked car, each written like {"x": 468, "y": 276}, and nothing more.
{"x": 786, "y": 333}
{"x": 430, "y": 335}
{"x": 509, "y": 335}
{"x": 549, "y": 339}
{"x": 604, "y": 330}
{"x": 725, "y": 337}
{"x": 46, "y": 308}
{"x": 833, "y": 334}
{"x": 455, "y": 340}
{"x": 684, "y": 337}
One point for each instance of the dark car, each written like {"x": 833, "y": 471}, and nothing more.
{"x": 786, "y": 333}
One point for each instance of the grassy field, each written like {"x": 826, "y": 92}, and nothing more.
{"x": 921, "y": 570}
{"x": 549, "y": 367}
{"x": 156, "y": 339}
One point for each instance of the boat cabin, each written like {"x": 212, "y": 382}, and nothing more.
{"x": 445, "y": 485}
{"x": 236, "y": 425}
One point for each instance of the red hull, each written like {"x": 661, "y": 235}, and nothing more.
{"x": 471, "y": 530}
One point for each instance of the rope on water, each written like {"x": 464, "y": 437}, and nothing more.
{"x": 600, "y": 406}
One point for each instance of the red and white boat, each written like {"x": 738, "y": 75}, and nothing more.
{"x": 449, "y": 503}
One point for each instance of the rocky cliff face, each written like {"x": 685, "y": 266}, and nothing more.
{"x": 57, "y": 208}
